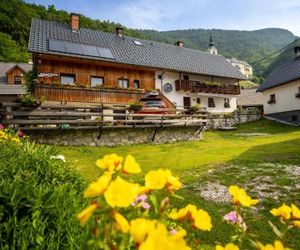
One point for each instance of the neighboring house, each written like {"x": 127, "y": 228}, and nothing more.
{"x": 281, "y": 91}
{"x": 12, "y": 80}
{"x": 244, "y": 67}
{"x": 115, "y": 68}
{"x": 250, "y": 100}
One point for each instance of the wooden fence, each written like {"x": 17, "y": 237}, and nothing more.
{"x": 51, "y": 117}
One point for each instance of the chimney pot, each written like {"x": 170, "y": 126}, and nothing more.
{"x": 119, "y": 31}
{"x": 297, "y": 51}
{"x": 180, "y": 44}
{"x": 74, "y": 22}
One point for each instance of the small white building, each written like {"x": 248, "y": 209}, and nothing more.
{"x": 281, "y": 91}
{"x": 244, "y": 67}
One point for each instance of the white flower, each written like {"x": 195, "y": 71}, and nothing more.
{"x": 58, "y": 157}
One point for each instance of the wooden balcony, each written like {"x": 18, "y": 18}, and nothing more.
{"x": 92, "y": 95}
{"x": 195, "y": 87}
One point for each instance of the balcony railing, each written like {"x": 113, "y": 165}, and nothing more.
{"x": 195, "y": 87}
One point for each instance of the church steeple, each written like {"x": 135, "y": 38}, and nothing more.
{"x": 211, "y": 46}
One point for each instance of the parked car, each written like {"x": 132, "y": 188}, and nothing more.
{"x": 153, "y": 104}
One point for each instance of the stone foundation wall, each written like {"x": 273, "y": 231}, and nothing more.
{"x": 126, "y": 136}
{"x": 117, "y": 136}
{"x": 215, "y": 122}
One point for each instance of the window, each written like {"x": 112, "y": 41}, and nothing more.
{"x": 211, "y": 102}
{"x": 67, "y": 79}
{"x": 96, "y": 81}
{"x": 123, "y": 83}
{"x": 297, "y": 95}
{"x": 198, "y": 100}
{"x": 272, "y": 99}
{"x": 186, "y": 77}
{"x": 294, "y": 118}
{"x": 159, "y": 77}
{"x": 136, "y": 84}
{"x": 17, "y": 80}
{"x": 226, "y": 103}
{"x": 136, "y": 42}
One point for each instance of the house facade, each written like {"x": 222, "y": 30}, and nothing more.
{"x": 78, "y": 64}
{"x": 281, "y": 91}
{"x": 12, "y": 80}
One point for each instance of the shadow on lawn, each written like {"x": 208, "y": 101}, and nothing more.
{"x": 285, "y": 152}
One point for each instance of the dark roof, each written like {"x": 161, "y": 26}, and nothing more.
{"x": 6, "y": 66}
{"x": 125, "y": 51}
{"x": 285, "y": 73}
{"x": 249, "y": 97}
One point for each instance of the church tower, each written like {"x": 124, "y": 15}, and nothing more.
{"x": 211, "y": 47}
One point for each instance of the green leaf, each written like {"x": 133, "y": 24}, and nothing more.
{"x": 276, "y": 230}
{"x": 40, "y": 239}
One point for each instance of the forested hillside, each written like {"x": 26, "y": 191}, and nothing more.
{"x": 250, "y": 46}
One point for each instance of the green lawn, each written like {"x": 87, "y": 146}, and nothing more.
{"x": 262, "y": 156}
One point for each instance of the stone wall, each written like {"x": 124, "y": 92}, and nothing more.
{"x": 215, "y": 122}
{"x": 116, "y": 136}
{"x": 126, "y": 136}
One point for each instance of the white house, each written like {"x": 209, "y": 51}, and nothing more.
{"x": 281, "y": 91}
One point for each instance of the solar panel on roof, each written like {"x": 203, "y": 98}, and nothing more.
{"x": 74, "y": 48}
{"x": 79, "y": 49}
{"x": 90, "y": 50}
{"x": 105, "y": 53}
{"x": 56, "y": 45}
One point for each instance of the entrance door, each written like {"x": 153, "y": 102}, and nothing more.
{"x": 186, "y": 102}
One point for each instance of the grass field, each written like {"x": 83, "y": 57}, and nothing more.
{"x": 262, "y": 156}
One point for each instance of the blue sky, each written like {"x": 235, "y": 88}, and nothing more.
{"x": 184, "y": 14}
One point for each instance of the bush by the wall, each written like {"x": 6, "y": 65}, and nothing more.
{"x": 39, "y": 198}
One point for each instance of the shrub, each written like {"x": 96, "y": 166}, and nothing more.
{"x": 38, "y": 199}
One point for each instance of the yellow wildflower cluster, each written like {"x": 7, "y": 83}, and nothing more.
{"x": 152, "y": 235}
{"x": 125, "y": 218}
{"x": 199, "y": 218}
{"x": 285, "y": 212}
{"x": 276, "y": 246}
{"x": 240, "y": 197}
{"x": 4, "y": 136}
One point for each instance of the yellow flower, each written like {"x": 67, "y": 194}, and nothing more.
{"x": 121, "y": 193}
{"x": 277, "y": 246}
{"x": 198, "y": 217}
{"x": 295, "y": 212}
{"x": 284, "y": 212}
{"x": 173, "y": 183}
{"x": 139, "y": 229}
{"x": 110, "y": 162}
{"x": 98, "y": 187}
{"x": 155, "y": 236}
{"x": 240, "y": 197}
{"x": 131, "y": 166}
{"x": 84, "y": 216}
{"x": 122, "y": 223}
{"x": 202, "y": 220}
{"x": 229, "y": 246}
{"x": 296, "y": 223}
{"x": 156, "y": 179}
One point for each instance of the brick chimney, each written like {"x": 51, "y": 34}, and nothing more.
{"x": 120, "y": 31}
{"x": 74, "y": 22}
{"x": 180, "y": 44}
{"x": 297, "y": 51}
